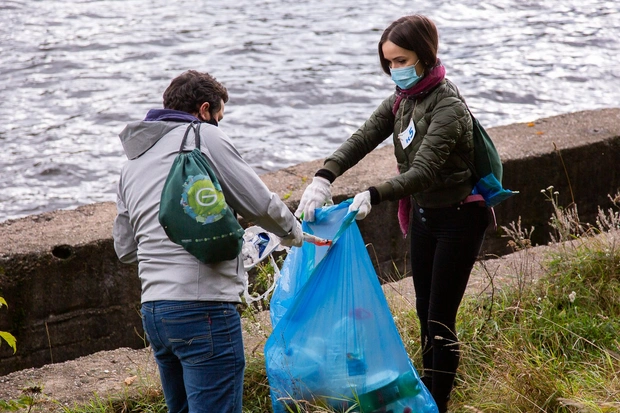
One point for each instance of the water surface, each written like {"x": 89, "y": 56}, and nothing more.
{"x": 302, "y": 76}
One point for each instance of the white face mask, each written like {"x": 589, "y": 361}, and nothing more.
{"x": 406, "y": 77}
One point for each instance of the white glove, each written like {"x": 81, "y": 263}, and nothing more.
{"x": 317, "y": 194}
{"x": 295, "y": 238}
{"x": 361, "y": 204}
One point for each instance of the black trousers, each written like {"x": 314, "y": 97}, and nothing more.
{"x": 445, "y": 243}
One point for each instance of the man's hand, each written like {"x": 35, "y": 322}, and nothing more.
{"x": 294, "y": 238}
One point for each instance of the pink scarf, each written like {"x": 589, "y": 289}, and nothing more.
{"x": 404, "y": 208}
{"x": 423, "y": 87}
{"x": 420, "y": 89}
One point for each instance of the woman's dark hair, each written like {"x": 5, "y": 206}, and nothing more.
{"x": 416, "y": 33}
{"x": 188, "y": 91}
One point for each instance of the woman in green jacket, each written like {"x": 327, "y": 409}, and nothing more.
{"x": 432, "y": 132}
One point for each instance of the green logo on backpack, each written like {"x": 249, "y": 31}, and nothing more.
{"x": 202, "y": 200}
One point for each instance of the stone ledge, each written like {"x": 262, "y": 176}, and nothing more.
{"x": 50, "y": 231}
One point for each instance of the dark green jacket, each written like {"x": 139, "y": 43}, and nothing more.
{"x": 431, "y": 169}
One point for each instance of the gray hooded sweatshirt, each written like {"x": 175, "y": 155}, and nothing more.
{"x": 166, "y": 270}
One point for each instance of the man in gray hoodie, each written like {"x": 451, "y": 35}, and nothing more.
{"x": 189, "y": 308}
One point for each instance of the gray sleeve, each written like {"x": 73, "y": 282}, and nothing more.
{"x": 245, "y": 192}
{"x": 124, "y": 239}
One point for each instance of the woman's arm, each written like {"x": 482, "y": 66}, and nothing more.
{"x": 378, "y": 127}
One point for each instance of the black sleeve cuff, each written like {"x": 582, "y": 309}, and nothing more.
{"x": 375, "y": 197}
{"x": 327, "y": 174}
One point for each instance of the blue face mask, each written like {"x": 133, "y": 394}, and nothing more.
{"x": 405, "y": 77}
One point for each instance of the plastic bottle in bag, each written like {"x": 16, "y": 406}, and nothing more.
{"x": 417, "y": 404}
{"x": 345, "y": 362}
{"x": 404, "y": 386}
{"x": 304, "y": 368}
{"x": 344, "y": 371}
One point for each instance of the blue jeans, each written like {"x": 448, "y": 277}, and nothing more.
{"x": 198, "y": 348}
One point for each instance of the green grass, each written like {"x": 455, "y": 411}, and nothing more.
{"x": 552, "y": 347}
{"x": 143, "y": 403}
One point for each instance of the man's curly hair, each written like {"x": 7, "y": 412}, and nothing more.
{"x": 188, "y": 91}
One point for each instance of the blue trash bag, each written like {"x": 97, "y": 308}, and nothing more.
{"x": 300, "y": 261}
{"x": 337, "y": 346}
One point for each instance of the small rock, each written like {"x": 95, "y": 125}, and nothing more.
{"x": 129, "y": 380}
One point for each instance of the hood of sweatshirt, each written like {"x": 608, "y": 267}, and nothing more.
{"x": 138, "y": 137}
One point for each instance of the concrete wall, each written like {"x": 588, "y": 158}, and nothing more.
{"x": 69, "y": 296}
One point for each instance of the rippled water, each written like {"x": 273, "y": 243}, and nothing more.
{"x": 302, "y": 75}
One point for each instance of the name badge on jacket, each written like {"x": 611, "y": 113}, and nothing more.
{"x": 406, "y": 136}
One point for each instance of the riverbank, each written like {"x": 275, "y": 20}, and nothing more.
{"x": 116, "y": 372}
{"x": 69, "y": 296}
{"x": 123, "y": 372}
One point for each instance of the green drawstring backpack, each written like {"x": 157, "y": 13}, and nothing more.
{"x": 193, "y": 211}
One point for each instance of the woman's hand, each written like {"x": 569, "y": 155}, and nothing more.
{"x": 317, "y": 194}
{"x": 361, "y": 204}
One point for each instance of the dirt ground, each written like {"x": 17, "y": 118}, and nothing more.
{"x": 122, "y": 371}
{"x": 115, "y": 373}
{"x": 79, "y": 381}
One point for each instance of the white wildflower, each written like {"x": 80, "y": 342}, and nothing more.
{"x": 572, "y": 296}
